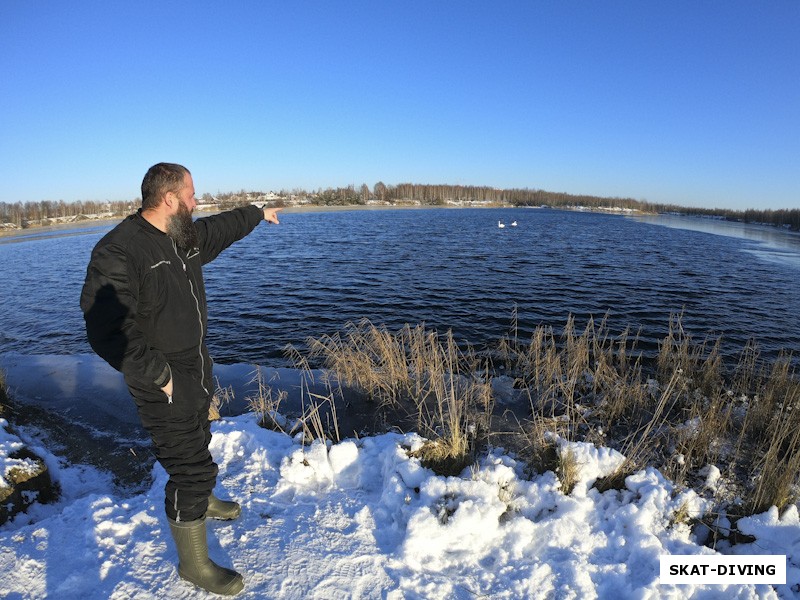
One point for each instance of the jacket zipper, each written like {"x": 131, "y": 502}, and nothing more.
{"x": 169, "y": 396}
{"x": 199, "y": 319}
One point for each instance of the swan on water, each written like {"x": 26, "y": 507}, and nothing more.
{"x": 500, "y": 224}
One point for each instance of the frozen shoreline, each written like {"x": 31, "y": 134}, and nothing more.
{"x": 89, "y": 389}
{"x": 361, "y": 518}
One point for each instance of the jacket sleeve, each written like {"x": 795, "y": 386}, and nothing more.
{"x": 217, "y": 232}
{"x": 109, "y": 303}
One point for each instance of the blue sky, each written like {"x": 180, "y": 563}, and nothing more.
{"x": 692, "y": 103}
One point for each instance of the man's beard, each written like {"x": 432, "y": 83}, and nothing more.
{"x": 181, "y": 228}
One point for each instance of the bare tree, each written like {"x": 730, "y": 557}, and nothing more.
{"x": 380, "y": 192}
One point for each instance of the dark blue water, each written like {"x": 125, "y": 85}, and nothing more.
{"x": 451, "y": 269}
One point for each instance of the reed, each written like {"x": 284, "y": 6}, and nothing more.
{"x": 221, "y": 397}
{"x": 418, "y": 371}
{"x": 640, "y": 445}
{"x": 774, "y": 452}
{"x": 316, "y": 422}
{"x": 3, "y": 394}
{"x": 678, "y": 411}
{"x": 568, "y": 469}
{"x": 265, "y": 402}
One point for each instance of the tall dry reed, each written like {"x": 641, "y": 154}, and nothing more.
{"x": 418, "y": 371}
{"x": 679, "y": 411}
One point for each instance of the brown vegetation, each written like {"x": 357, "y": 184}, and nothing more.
{"x": 417, "y": 378}
{"x": 29, "y": 481}
{"x": 26, "y": 214}
{"x": 681, "y": 413}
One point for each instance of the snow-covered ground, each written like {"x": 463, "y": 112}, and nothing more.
{"x": 360, "y": 519}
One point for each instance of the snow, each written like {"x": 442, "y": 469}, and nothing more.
{"x": 361, "y": 519}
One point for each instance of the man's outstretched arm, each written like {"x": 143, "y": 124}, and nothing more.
{"x": 217, "y": 232}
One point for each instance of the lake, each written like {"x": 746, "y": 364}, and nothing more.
{"x": 449, "y": 268}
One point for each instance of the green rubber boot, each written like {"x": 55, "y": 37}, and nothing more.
{"x": 225, "y": 510}
{"x": 194, "y": 564}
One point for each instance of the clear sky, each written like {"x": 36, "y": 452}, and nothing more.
{"x": 695, "y": 103}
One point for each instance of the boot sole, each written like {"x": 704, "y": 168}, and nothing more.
{"x": 233, "y": 588}
{"x": 224, "y": 517}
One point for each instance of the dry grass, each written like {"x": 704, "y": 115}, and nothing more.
{"x": 417, "y": 373}
{"x": 774, "y": 450}
{"x": 318, "y": 419}
{"x": 681, "y": 516}
{"x": 317, "y": 422}
{"x": 678, "y": 411}
{"x": 221, "y": 397}
{"x": 3, "y": 394}
{"x": 679, "y": 414}
{"x": 568, "y": 469}
{"x": 265, "y": 402}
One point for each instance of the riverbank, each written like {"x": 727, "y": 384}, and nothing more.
{"x": 57, "y": 228}
{"x": 388, "y": 523}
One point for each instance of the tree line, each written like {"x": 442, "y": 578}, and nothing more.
{"x": 34, "y": 213}
{"x": 25, "y": 214}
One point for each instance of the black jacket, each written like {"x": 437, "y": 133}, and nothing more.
{"x": 144, "y": 299}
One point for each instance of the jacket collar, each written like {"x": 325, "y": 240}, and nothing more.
{"x": 145, "y": 224}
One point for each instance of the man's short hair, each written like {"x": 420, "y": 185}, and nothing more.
{"x": 160, "y": 179}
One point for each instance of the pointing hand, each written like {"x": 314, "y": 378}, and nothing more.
{"x": 271, "y": 215}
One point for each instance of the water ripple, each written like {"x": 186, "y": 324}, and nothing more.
{"x": 451, "y": 269}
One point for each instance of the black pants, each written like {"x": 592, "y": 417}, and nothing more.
{"x": 181, "y": 433}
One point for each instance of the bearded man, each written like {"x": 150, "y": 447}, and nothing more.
{"x": 144, "y": 304}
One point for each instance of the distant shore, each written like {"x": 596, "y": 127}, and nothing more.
{"x": 306, "y": 208}
{"x": 57, "y": 228}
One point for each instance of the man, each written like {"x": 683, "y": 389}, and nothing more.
{"x": 144, "y": 304}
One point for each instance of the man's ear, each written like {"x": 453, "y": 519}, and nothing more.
{"x": 169, "y": 199}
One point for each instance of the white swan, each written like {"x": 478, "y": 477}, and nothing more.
{"x": 500, "y": 224}
{"x": 513, "y": 223}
